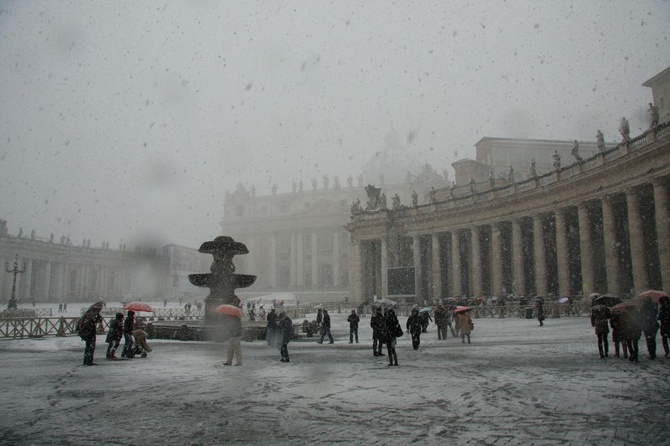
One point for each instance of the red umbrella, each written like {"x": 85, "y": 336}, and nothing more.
{"x": 460, "y": 309}
{"x": 654, "y": 294}
{"x": 626, "y": 305}
{"x": 230, "y": 310}
{"x": 138, "y": 306}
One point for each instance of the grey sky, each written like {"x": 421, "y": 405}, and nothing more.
{"x": 129, "y": 119}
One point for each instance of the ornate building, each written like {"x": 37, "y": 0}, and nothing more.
{"x": 594, "y": 223}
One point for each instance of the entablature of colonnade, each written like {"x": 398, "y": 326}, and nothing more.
{"x": 628, "y": 165}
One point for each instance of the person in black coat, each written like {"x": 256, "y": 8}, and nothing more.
{"x": 353, "y": 320}
{"x": 631, "y": 331}
{"x": 114, "y": 335}
{"x": 648, "y": 314}
{"x": 285, "y": 330}
{"x": 664, "y": 319}
{"x": 378, "y": 325}
{"x": 87, "y": 329}
{"x": 391, "y": 331}
{"x": 128, "y": 327}
{"x": 325, "y": 331}
{"x": 415, "y": 327}
{"x": 271, "y": 327}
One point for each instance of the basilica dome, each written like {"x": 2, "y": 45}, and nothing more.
{"x": 391, "y": 164}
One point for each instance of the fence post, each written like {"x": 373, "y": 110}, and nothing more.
{"x": 61, "y": 327}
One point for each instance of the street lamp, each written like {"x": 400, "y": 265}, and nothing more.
{"x": 12, "y": 300}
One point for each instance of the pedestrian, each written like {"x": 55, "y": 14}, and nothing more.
{"x": 128, "y": 327}
{"x": 414, "y": 328}
{"x": 664, "y": 319}
{"x": 86, "y": 329}
{"x": 540, "y": 311}
{"x": 114, "y": 335}
{"x": 425, "y": 321}
{"x": 64, "y": 307}
{"x": 616, "y": 323}
{"x": 141, "y": 342}
{"x": 600, "y": 315}
{"x": 648, "y": 315}
{"x": 353, "y": 320}
{"x": 377, "y": 323}
{"x": 441, "y": 322}
{"x": 632, "y": 330}
{"x": 391, "y": 331}
{"x": 319, "y": 320}
{"x": 326, "y": 328}
{"x": 271, "y": 326}
{"x": 465, "y": 325}
{"x": 234, "y": 324}
{"x": 285, "y": 331}
{"x": 60, "y": 308}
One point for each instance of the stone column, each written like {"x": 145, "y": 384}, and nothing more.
{"x": 662, "y": 229}
{"x": 300, "y": 260}
{"x": 496, "y": 261}
{"x": 436, "y": 270}
{"x": 336, "y": 258}
{"x": 517, "y": 259}
{"x": 610, "y": 242}
{"x": 24, "y": 281}
{"x": 315, "y": 260}
{"x": 456, "y": 264}
{"x": 476, "y": 264}
{"x": 273, "y": 261}
{"x": 540, "y": 256}
{"x": 416, "y": 257}
{"x": 293, "y": 258}
{"x": 355, "y": 270}
{"x": 384, "y": 261}
{"x": 586, "y": 250}
{"x": 562, "y": 258}
{"x": 637, "y": 255}
{"x": 47, "y": 281}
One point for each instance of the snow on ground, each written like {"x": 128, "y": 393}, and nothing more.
{"x": 517, "y": 383}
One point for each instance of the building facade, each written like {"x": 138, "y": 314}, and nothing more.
{"x": 599, "y": 224}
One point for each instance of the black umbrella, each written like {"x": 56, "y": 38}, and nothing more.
{"x": 608, "y": 300}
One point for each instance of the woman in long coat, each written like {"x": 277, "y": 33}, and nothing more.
{"x": 414, "y": 326}
{"x": 114, "y": 335}
{"x": 392, "y": 327}
{"x": 599, "y": 318}
{"x": 631, "y": 331}
{"x": 465, "y": 325}
{"x": 648, "y": 314}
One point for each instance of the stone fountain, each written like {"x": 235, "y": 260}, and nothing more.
{"x": 222, "y": 281}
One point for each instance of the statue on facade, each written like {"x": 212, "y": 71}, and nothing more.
{"x": 653, "y": 115}
{"x": 600, "y": 141}
{"x": 294, "y": 187}
{"x": 415, "y": 199}
{"x": 531, "y": 169}
{"x": 373, "y": 197}
{"x": 326, "y": 181}
{"x": 360, "y": 181}
{"x": 396, "y": 202}
{"x": 32, "y": 235}
{"x": 624, "y": 129}
{"x": 510, "y": 175}
{"x": 445, "y": 175}
{"x": 408, "y": 177}
{"x": 452, "y": 190}
{"x": 274, "y": 188}
{"x": 431, "y": 194}
{"x": 313, "y": 184}
{"x": 557, "y": 160}
{"x": 350, "y": 181}
{"x": 336, "y": 183}
{"x": 575, "y": 151}
{"x": 492, "y": 180}
{"x": 473, "y": 186}
{"x": 51, "y": 238}
{"x": 3, "y": 228}
{"x": 382, "y": 202}
{"x": 381, "y": 179}
{"x": 20, "y": 231}
{"x": 356, "y": 208}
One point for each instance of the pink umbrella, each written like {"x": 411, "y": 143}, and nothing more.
{"x": 230, "y": 310}
{"x": 460, "y": 309}
{"x": 656, "y": 295}
{"x": 138, "y": 306}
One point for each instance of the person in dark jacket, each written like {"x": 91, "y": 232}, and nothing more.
{"x": 391, "y": 330}
{"x": 378, "y": 325}
{"x": 540, "y": 310}
{"x": 414, "y": 327}
{"x": 617, "y": 334}
{"x": 285, "y": 330}
{"x": 87, "y": 329}
{"x": 425, "y": 321}
{"x": 128, "y": 327}
{"x": 325, "y": 328}
{"x": 441, "y": 322}
{"x": 600, "y": 315}
{"x": 114, "y": 335}
{"x": 353, "y": 320}
{"x": 234, "y": 341}
{"x": 664, "y": 319}
{"x": 631, "y": 331}
{"x": 648, "y": 315}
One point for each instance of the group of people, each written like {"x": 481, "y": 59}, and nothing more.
{"x": 135, "y": 339}
{"x": 278, "y": 332}
{"x": 628, "y": 323}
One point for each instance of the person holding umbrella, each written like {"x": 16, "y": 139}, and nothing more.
{"x": 648, "y": 313}
{"x": 377, "y": 323}
{"x": 392, "y": 330}
{"x": 599, "y": 318}
{"x": 464, "y": 324}
{"x": 86, "y": 328}
{"x": 128, "y": 327}
{"x": 234, "y": 325}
